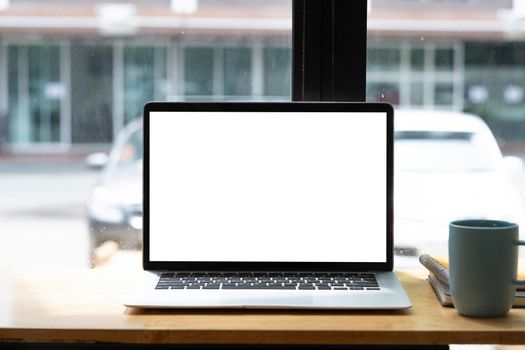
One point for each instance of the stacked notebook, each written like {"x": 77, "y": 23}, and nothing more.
{"x": 438, "y": 277}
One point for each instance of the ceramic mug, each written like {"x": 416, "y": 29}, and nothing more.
{"x": 483, "y": 263}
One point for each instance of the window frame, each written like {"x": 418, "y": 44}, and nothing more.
{"x": 329, "y": 50}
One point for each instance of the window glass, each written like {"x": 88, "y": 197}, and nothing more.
{"x": 436, "y": 151}
{"x": 278, "y": 65}
{"x": 443, "y": 94}
{"x": 43, "y": 93}
{"x": 144, "y": 78}
{"x": 459, "y": 101}
{"x": 73, "y": 83}
{"x": 417, "y": 59}
{"x": 444, "y": 59}
{"x": 417, "y": 90}
{"x": 385, "y": 92}
{"x": 92, "y": 97}
{"x": 237, "y": 71}
{"x": 494, "y": 87}
{"x": 132, "y": 150}
{"x": 198, "y": 71}
{"x": 383, "y": 58}
{"x": 18, "y": 124}
{"x": 35, "y": 96}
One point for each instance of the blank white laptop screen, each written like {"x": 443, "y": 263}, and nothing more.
{"x": 268, "y": 186}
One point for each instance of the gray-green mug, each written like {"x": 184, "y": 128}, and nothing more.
{"x": 483, "y": 262}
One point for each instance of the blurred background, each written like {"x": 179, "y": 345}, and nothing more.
{"x": 74, "y": 76}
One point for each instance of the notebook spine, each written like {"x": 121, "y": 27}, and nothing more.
{"x": 440, "y": 271}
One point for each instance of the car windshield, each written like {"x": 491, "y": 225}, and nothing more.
{"x": 132, "y": 151}
{"x": 442, "y": 151}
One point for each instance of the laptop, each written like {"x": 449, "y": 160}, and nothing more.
{"x": 268, "y": 205}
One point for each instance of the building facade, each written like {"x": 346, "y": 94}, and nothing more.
{"x": 72, "y": 74}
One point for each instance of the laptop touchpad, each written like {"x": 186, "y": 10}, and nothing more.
{"x": 268, "y": 299}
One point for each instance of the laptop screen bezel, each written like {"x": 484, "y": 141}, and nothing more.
{"x": 269, "y": 107}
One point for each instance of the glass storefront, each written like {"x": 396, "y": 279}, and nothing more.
{"x": 198, "y": 71}
{"x": 111, "y": 81}
{"x": 35, "y": 94}
{"x": 277, "y": 68}
{"x": 92, "y": 93}
{"x": 495, "y": 87}
{"x": 416, "y": 75}
{"x": 106, "y": 84}
{"x": 237, "y": 72}
{"x": 145, "y": 78}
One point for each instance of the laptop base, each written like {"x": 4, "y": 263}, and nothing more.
{"x": 391, "y": 296}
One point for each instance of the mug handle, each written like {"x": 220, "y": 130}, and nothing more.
{"x": 517, "y": 282}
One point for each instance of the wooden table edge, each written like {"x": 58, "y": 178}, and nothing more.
{"x": 243, "y": 337}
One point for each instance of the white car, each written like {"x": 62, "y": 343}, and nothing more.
{"x": 447, "y": 166}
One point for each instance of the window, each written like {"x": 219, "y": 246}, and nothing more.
{"x": 252, "y": 71}
{"x": 277, "y": 65}
{"x": 71, "y": 90}
{"x": 34, "y": 92}
{"x": 145, "y": 78}
{"x": 237, "y": 68}
{"x": 198, "y": 71}
{"x": 92, "y": 100}
{"x": 68, "y": 93}
{"x": 408, "y": 73}
{"x": 449, "y": 76}
{"x": 494, "y": 86}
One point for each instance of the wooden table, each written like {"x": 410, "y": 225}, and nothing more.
{"x": 85, "y": 306}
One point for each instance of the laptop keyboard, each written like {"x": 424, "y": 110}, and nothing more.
{"x": 291, "y": 281}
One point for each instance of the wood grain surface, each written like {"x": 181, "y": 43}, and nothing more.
{"x": 85, "y": 306}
